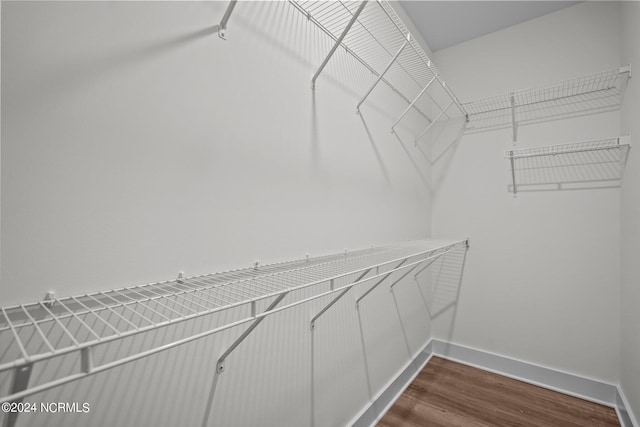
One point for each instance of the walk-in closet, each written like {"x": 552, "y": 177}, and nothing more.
{"x": 319, "y": 213}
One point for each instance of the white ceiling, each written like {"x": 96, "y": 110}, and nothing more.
{"x": 446, "y": 23}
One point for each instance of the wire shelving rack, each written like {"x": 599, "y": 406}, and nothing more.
{"x": 600, "y": 160}
{"x": 593, "y": 93}
{"x": 373, "y": 33}
{"x": 32, "y": 334}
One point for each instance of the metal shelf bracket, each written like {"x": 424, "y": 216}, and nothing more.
{"x": 21, "y": 376}
{"x": 312, "y": 324}
{"x": 381, "y": 76}
{"x": 514, "y": 124}
{"x": 626, "y": 69}
{"x": 513, "y": 173}
{"x": 406, "y": 110}
{"x": 379, "y": 282}
{"x": 220, "y": 364}
{"x": 222, "y": 26}
{"x": 337, "y": 43}
{"x": 433, "y": 122}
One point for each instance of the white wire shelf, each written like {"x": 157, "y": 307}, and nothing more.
{"x": 593, "y": 93}
{"x": 375, "y": 35}
{"x": 594, "y": 162}
{"x": 33, "y": 334}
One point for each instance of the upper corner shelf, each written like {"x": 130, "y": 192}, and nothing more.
{"x": 565, "y": 166}
{"x": 377, "y": 38}
{"x": 594, "y": 93}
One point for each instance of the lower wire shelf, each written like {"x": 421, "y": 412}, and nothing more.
{"x": 74, "y": 327}
{"x": 564, "y": 166}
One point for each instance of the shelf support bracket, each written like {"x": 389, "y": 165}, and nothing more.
{"x": 406, "y": 274}
{"x": 220, "y": 363}
{"x": 432, "y": 258}
{"x": 21, "y": 376}
{"x": 379, "y": 282}
{"x": 247, "y": 332}
{"x": 337, "y": 43}
{"x": 624, "y": 140}
{"x": 222, "y": 26}
{"x": 415, "y": 276}
{"x": 406, "y": 110}
{"x": 381, "y": 76}
{"x": 626, "y": 69}
{"x": 433, "y": 122}
{"x": 513, "y": 118}
{"x": 513, "y": 172}
{"x": 312, "y": 324}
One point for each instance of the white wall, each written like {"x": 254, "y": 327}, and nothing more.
{"x": 630, "y": 297}
{"x": 542, "y": 276}
{"x": 148, "y": 145}
{"x": 136, "y": 143}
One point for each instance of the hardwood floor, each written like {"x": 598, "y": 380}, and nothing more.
{"x": 446, "y": 393}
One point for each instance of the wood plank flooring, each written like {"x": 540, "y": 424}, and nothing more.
{"x": 448, "y": 394}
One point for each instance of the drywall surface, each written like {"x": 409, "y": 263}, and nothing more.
{"x": 542, "y": 280}
{"x": 142, "y": 149}
{"x": 630, "y": 338}
{"x": 136, "y": 143}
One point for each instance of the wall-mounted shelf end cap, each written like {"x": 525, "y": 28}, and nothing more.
{"x": 49, "y": 299}
{"x": 626, "y": 69}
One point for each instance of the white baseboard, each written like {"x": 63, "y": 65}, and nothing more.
{"x": 623, "y": 409}
{"x": 573, "y": 385}
{"x": 374, "y": 411}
